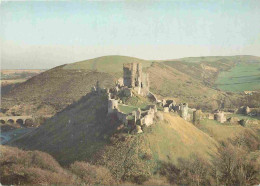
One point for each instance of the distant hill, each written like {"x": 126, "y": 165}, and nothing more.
{"x": 191, "y": 80}
{"x": 228, "y": 73}
{"x": 236, "y": 59}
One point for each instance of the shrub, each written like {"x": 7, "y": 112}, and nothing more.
{"x": 233, "y": 166}
{"x": 91, "y": 174}
{"x": 31, "y": 167}
{"x": 192, "y": 171}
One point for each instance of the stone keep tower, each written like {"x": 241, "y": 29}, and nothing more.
{"x": 132, "y": 75}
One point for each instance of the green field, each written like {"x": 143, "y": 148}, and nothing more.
{"x": 240, "y": 78}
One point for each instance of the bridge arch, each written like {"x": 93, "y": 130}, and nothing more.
{"x": 2, "y": 121}
{"x": 11, "y": 121}
{"x": 28, "y": 122}
{"x": 20, "y": 121}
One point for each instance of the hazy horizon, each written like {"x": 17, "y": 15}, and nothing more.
{"x": 45, "y": 34}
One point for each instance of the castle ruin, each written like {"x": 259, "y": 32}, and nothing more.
{"x": 135, "y": 78}
{"x": 134, "y": 82}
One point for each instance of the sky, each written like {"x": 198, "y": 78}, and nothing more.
{"x": 45, "y": 34}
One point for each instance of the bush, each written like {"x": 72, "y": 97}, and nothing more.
{"x": 234, "y": 166}
{"x": 91, "y": 174}
{"x": 192, "y": 171}
{"x": 31, "y": 167}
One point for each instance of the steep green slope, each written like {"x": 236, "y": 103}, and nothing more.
{"x": 75, "y": 133}
{"x": 130, "y": 156}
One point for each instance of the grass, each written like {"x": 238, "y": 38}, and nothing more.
{"x": 241, "y": 116}
{"x": 137, "y": 101}
{"x": 164, "y": 141}
{"x": 221, "y": 132}
{"x": 127, "y": 109}
{"x": 109, "y": 64}
{"x": 240, "y": 78}
{"x": 79, "y": 130}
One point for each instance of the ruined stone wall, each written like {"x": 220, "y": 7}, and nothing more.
{"x": 184, "y": 109}
{"x": 122, "y": 116}
{"x": 132, "y": 74}
{"x": 197, "y": 116}
{"x": 112, "y": 105}
{"x": 220, "y": 117}
{"x": 138, "y": 76}
{"x": 152, "y": 97}
{"x": 128, "y": 80}
{"x": 135, "y": 78}
{"x": 147, "y": 119}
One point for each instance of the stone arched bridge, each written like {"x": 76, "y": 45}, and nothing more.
{"x": 16, "y": 119}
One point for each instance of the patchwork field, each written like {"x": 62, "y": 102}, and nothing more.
{"x": 240, "y": 78}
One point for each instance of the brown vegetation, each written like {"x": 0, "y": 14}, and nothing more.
{"x": 31, "y": 167}
{"x": 91, "y": 174}
{"x": 18, "y": 167}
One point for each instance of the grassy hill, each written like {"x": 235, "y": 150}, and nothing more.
{"x": 130, "y": 156}
{"x": 53, "y": 90}
{"x": 84, "y": 132}
{"x": 75, "y": 133}
{"x": 108, "y": 64}
{"x": 189, "y": 80}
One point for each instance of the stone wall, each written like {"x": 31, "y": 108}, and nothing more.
{"x": 135, "y": 78}
{"x": 197, "y": 116}
{"x": 220, "y": 116}
{"x": 122, "y": 117}
{"x": 147, "y": 120}
{"x": 112, "y": 105}
{"x": 132, "y": 74}
{"x": 184, "y": 110}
